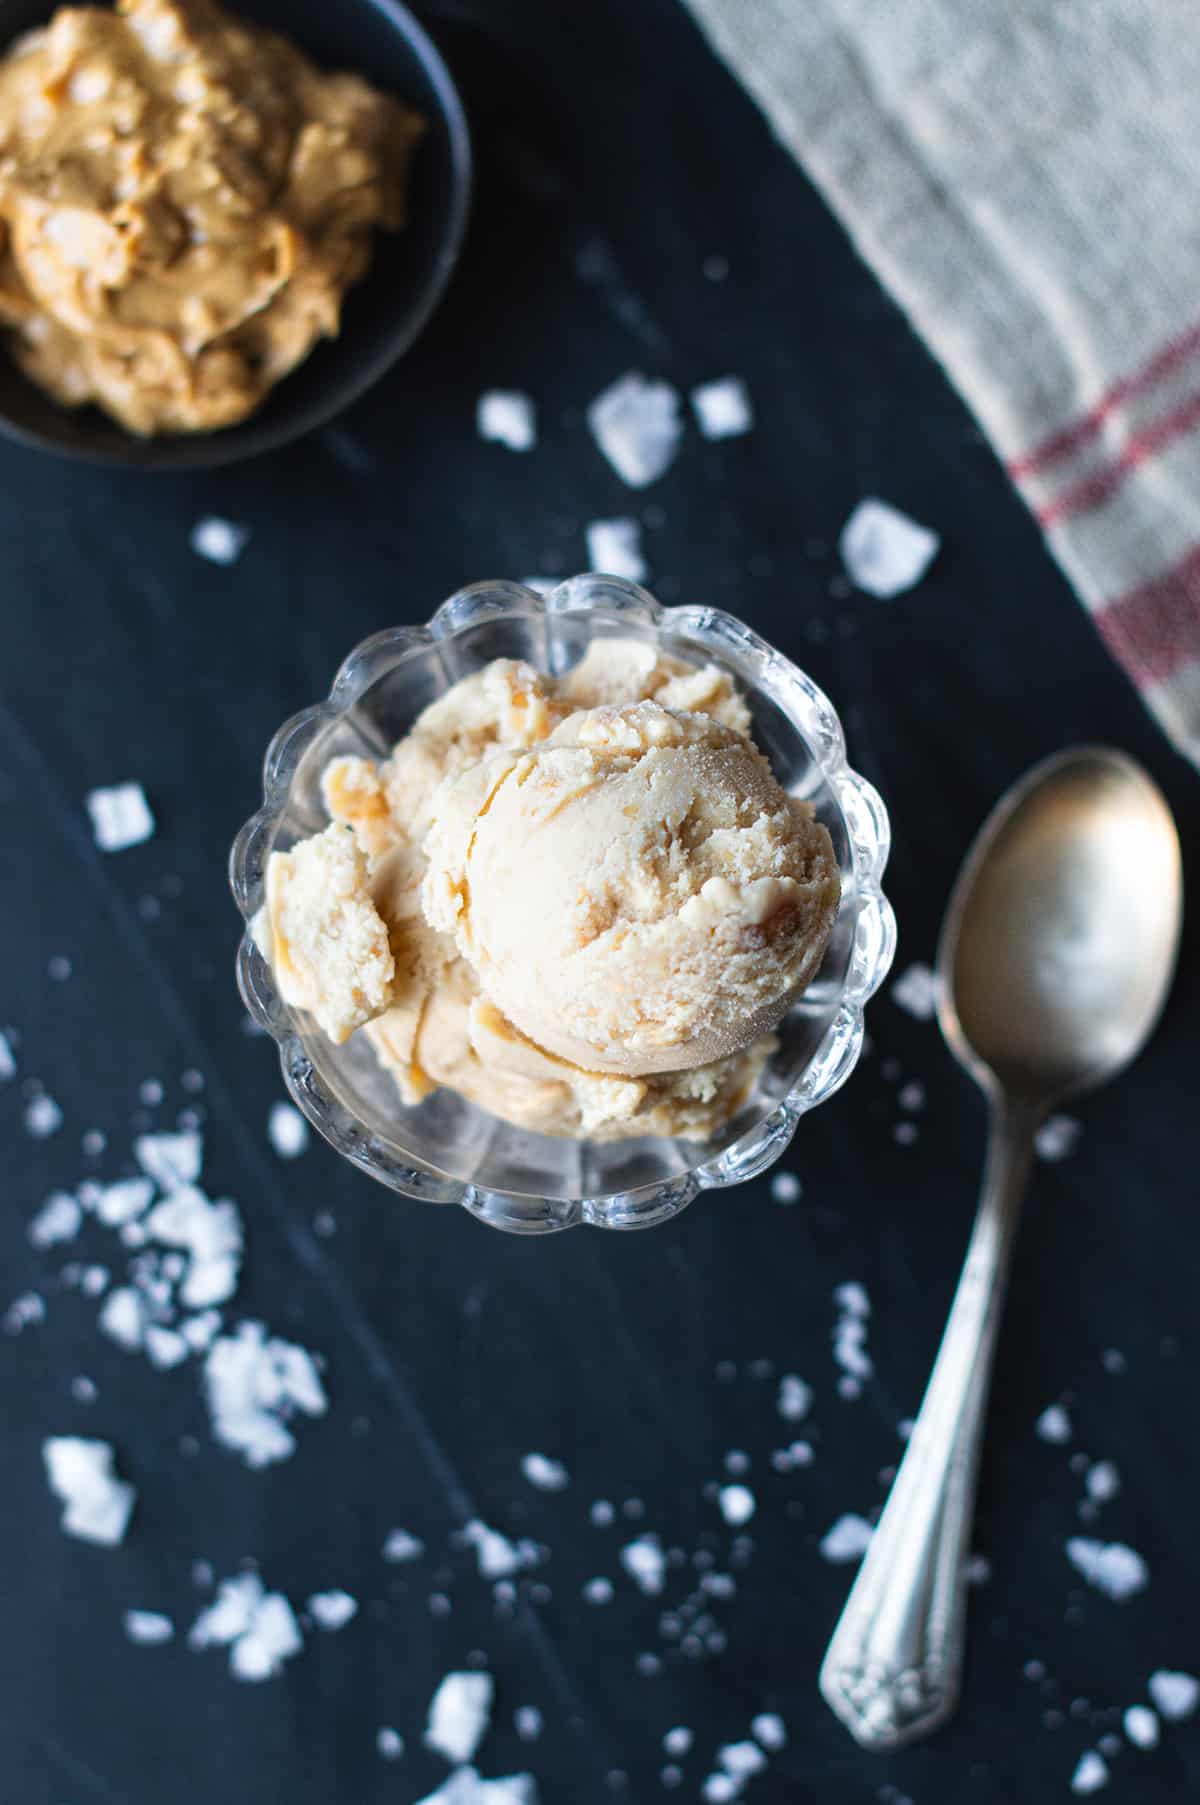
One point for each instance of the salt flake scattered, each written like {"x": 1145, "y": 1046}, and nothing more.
{"x": 165, "y": 1347}
{"x": 785, "y": 1187}
{"x": 723, "y": 409}
{"x": 273, "y": 1638}
{"x": 253, "y": 1386}
{"x": 401, "y": 1546}
{"x": 883, "y": 550}
{"x": 496, "y": 1556}
{"x": 1054, "y": 1425}
{"x": 1175, "y": 1694}
{"x": 645, "y": 1563}
{"x": 637, "y": 426}
{"x": 545, "y": 1474}
{"x": 916, "y": 992}
{"x": 150, "y": 1628}
{"x": 615, "y": 548}
{"x": 598, "y": 1590}
{"x": 507, "y": 417}
{"x": 211, "y": 1234}
{"x": 738, "y": 1504}
{"x": 287, "y": 1131}
{"x": 82, "y": 1474}
{"x": 43, "y": 1117}
{"x": 332, "y": 1610}
{"x": 389, "y": 1743}
{"x": 459, "y": 1714}
{"x": 170, "y": 1160}
{"x": 122, "y": 1318}
{"x": 123, "y": 1201}
{"x": 847, "y": 1540}
{"x": 795, "y": 1398}
{"x": 527, "y": 1722}
{"x": 769, "y": 1728}
{"x": 1141, "y": 1727}
{"x": 1103, "y": 1481}
{"x": 120, "y": 815}
{"x": 1056, "y": 1137}
{"x": 220, "y": 541}
{"x": 1091, "y": 1773}
{"x": 1109, "y": 1566}
{"x": 741, "y": 1759}
{"x": 58, "y": 1220}
{"x": 464, "y": 1787}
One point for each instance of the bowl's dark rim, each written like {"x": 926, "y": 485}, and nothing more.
{"x": 208, "y": 452}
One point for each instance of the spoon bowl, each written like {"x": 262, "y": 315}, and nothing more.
{"x": 1062, "y": 930}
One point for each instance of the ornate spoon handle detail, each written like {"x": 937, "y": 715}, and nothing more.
{"x": 893, "y": 1669}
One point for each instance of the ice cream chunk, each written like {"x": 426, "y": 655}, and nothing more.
{"x": 636, "y": 894}
{"x": 327, "y": 942}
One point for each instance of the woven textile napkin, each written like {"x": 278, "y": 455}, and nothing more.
{"x": 1025, "y": 178}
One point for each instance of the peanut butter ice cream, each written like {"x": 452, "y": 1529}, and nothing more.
{"x": 583, "y": 903}
{"x": 184, "y": 201}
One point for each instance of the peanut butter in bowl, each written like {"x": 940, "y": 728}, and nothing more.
{"x": 185, "y": 200}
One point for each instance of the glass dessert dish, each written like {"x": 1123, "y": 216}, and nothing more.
{"x": 447, "y": 1150}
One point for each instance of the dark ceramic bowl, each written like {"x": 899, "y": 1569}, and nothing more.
{"x": 383, "y": 313}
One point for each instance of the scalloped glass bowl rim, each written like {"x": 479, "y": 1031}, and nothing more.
{"x": 720, "y": 636}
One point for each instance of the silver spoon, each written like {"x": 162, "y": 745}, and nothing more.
{"x": 1055, "y": 959}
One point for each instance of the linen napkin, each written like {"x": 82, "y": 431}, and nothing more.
{"x": 1025, "y": 177}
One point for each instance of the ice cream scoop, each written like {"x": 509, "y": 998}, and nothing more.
{"x": 636, "y": 893}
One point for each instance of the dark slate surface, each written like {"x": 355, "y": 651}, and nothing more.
{"x": 616, "y": 157}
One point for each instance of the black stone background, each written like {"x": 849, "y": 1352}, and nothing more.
{"x": 616, "y": 156}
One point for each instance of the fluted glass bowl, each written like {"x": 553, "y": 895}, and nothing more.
{"x": 447, "y": 1150}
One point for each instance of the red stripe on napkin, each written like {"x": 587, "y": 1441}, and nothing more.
{"x": 1155, "y": 629}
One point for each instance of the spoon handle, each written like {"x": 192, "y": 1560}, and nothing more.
{"x": 893, "y": 1669}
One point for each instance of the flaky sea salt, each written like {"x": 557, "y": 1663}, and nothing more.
{"x": 58, "y": 1220}
{"x": 459, "y": 1713}
{"x": 637, "y": 425}
{"x": 210, "y": 1234}
{"x": 29, "y": 1308}
{"x": 1056, "y": 1137}
{"x": 389, "y": 1743}
{"x": 120, "y": 815}
{"x": 254, "y": 1385}
{"x": 150, "y": 1628}
{"x": 171, "y": 1160}
{"x": 43, "y": 1117}
{"x": 737, "y": 1503}
{"x": 543, "y": 1473}
{"x": 527, "y": 1722}
{"x": 332, "y": 1610}
{"x": 741, "y": 1759}
{"x": 883, "y": 550}
{"x": 645, "y": 1563}
{"x": 165, "y": 1347}
{"x": 719, "y": 1789}
{"x": 1109, "y": 1566}
{"x": 785, "y": 1187}
{"x": 795, "y": 1398}
{"x": 399, "y": 1545}
{"x": 123, "y": 1201}
{"x": 847, "y": 1540}
{"x": 220, "y": 541}
{"x": 770, "y": 1731}
{"x": 495, "y": 1555}
{"x": 1103, "y": 1481}
{"x": 615, "y": 548}
{"x": 1141, "y": 1727}
{"x": 1091, "y": 1773}
{"x": 1175, "y": 1694}
{"x": 507, "y": 417}
{"x": 82, "y": 1474}
{"x": 465, "y": 1787}
{"x": 915, "y": 991}
{"x": 287, "y": 1131}
{"x": 1054, "y": 1425}
{"x": 258, "y": 1627}
{"x": 723, "y": 408}
{"x": 122, "y": 1318}
{"x": 598, "y": 1590}
{"x": 850, "y": 1337}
